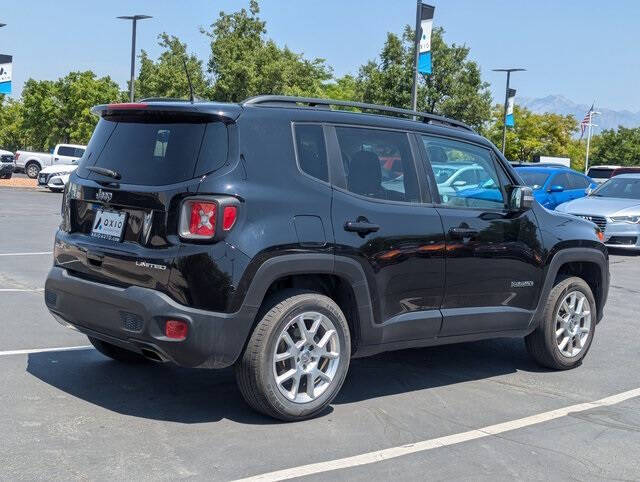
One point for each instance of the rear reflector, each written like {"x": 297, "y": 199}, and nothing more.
{"x": 229, "y": 217}
{"x": 176, "y": 329}
{"x": 203, "y": 218}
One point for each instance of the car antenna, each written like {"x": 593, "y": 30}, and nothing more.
{"x": 186, "y": 71}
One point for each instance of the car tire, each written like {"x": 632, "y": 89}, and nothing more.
{"x": 116, "y": 353}
{"x": 259, "y": 374}
{"x": 547, "y": 343}
{"x": 32, "y": 169}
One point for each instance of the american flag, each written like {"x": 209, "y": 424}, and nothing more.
{"x": 585, "y": 122}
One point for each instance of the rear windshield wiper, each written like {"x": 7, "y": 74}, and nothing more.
{"x": 105, "y": 172}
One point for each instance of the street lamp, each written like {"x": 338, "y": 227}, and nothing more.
{"x": 134, "y": 19}
{"x": 506, "y": 100}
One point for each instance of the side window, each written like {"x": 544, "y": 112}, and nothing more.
{"x": 378, "y": 164}
{"x": 577, "y": 182}
{"x": 561, "y": 179}
{"x": 466, "y": 175}
{"x": 312, "y": 153}
{"x": 79, "y": 152}
{"x": 66, "y": 151}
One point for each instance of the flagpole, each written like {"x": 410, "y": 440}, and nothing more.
{"x": 586, "y": 159}
{"x": 590, "y": 126}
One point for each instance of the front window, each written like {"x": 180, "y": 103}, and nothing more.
{"x": 535, "y": 180}
{"x": 618, "y": 187}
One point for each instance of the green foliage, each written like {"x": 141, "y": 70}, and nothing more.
{"x": 533, "y": 134}
{"x": 616, "y": 147}
{"x": 455, "y": 89}
{"x": 166, "y": 77}
{"x": 244, "y": 63}
{"x": 12, "y": 135}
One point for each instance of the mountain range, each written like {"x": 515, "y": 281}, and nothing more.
{"x": 558, "y": 104}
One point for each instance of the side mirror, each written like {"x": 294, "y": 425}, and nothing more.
{"x": 459, "y": 183}
{"x": 588, "y": 190}
{"x": 556, "y": 188}
{"x": 521, "y": 198}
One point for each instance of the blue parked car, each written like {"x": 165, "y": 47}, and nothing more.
{"x": 553, "y": 186}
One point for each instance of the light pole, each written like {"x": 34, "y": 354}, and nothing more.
{"x": 134, "y": 20}
{"x": 506, "y": 100}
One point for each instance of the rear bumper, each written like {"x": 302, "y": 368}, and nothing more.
{"x": 133, "y": 318}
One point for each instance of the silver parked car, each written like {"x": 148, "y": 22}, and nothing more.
{"x": 615, "y": 208}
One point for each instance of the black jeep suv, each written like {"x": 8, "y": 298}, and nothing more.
{"x": 284, "y": 237}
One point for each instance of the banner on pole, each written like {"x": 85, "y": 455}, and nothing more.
{"x": 511, "y": 98}
{"x": 5, "y": 74}
{"x": 426, "y": 24}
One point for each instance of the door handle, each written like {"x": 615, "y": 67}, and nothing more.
{"x": 361, "y": 227}
{"x": 461, "y": 232}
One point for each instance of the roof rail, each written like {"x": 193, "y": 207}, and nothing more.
{"x": 284, "y": 100}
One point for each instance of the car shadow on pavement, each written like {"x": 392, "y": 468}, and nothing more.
{"x": 170, "y": 393}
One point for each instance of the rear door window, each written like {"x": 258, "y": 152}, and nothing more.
{"x": 156, "y": 152}
{"x": 378, "y": 164}
{"x": 66, "y": 151}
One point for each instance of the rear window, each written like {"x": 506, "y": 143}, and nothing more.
{"x": 157, "y": 152}
{"x": 600, "y": 173}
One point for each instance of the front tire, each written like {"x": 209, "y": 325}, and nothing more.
{"x": 566, "y": 332}
{"x": 297, "y": 357}
{"x": 115, "y": 352}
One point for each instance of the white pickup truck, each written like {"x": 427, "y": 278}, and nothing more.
{"x": 33, "y": 162}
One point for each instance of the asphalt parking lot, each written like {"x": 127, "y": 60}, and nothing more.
{"x": 66, "y": 412}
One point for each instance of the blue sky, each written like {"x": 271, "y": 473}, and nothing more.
{"x": 582, "y": 49}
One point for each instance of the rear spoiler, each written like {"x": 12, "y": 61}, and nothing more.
{"x": 205, "y": 111}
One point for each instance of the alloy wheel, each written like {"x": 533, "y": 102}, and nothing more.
{"x": 573, "y": 324}
{"x": 306, "y": 357}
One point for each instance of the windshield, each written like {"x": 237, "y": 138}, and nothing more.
{"x": 155, "y": 152}
{"x": 535, "y": 179}
{"x": 626, "y": 188}
{"x": 600, "y": 173}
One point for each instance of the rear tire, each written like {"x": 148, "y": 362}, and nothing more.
{"x": 116, "y": 353}
{"x": 565, "y": 334}
{"x": 318, "y": 356}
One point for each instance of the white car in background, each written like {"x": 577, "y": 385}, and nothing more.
{"x": 33, "y": 162}
{"x": 56, "y": 177}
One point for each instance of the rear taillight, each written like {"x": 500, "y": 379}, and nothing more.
{"x": 207, "y": 218}
{"x": 203, "y": 218}
{"x": 16, "y": 156}
{"x": 229, "y": 215}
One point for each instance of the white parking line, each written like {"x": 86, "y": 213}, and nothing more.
{"x": 43, "y": 350}
{"x": 390, "y": 453}
{"x": 20, "y": 290}
{"x": 27, "y": 254}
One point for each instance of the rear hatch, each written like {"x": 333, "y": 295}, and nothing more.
{"x": 121, "y": 209}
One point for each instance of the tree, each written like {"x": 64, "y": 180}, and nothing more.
{"x": 617, "y": 147}
{"x": 12, "y": 136}
{"x": 76, "y": 93}
{"x": 244, "y": 63}
{"x": 166, "y": 77}
{"x": 59, "y": 111}
{"x": 454, "y": 89}
{"x": 534, "y": 134}
{"x": 40, "y": 109}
